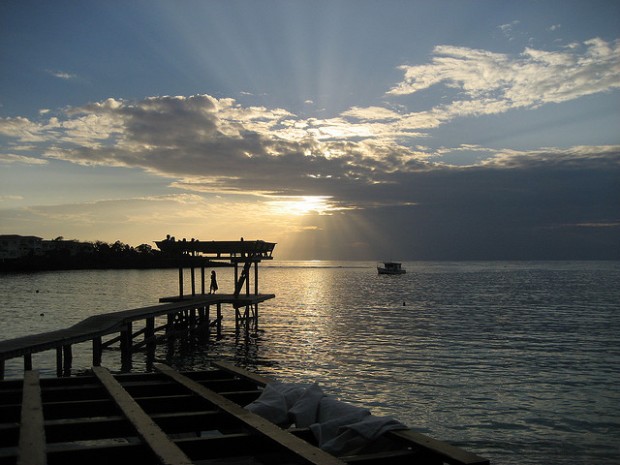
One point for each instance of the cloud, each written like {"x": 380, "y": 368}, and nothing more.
{"x": 62, "y": 74}
{"x": 206, "y": 144}
{"x": 372, "y": 114}
{"x": 600, "y": 158}
{"x": 4, "y": 198}
{"x": 508, "y": 29}
{"x": 20, "y": 159}
{"x": 491, "y": 83}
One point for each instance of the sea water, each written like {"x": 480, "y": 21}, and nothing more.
{"x": 516, "y": 361}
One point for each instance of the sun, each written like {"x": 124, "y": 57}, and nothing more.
{"x": 302, "y": 205}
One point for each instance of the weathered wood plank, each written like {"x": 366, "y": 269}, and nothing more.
{"x": 258, "y": 379}
{"x": 166, "y": 451}
{"x": 32, "y": 433}
{"x": 298, "y": 447}
{"x": 449, "y": 453}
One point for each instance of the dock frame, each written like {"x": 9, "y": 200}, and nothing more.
{"x": 168, "y": 417}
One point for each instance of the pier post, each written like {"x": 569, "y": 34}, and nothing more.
{"x": 181, "y": 282}
{"x": 126, "y": 337}
{"x": 68, "y": 359}
{"x": 256, "y": 317}
{"x": 149, "y": 331}
{"x": 193, "y": 277}
{"x": 28, "y": 362}
{"x": 169, "y": 324}
{"x": 192, "y": 319}
{"x": 219, "y": 320}
{"x": 202, "y": 279}
{"x": 151, "y": 343}
{"x": 256, "y": 278}
{"x": 58, "y": 361}
{"x": 97, "y": 351}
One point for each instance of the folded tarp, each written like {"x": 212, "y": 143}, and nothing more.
{"x": 338, "y": 427}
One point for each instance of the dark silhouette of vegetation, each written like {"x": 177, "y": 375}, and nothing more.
{"x": 73, "y": 255}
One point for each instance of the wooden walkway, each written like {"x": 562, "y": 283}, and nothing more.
{"x": 167, "y": 417}
{"x": 182, "y": 315}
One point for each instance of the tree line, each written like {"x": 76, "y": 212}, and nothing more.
{"x": 70, "y": 255}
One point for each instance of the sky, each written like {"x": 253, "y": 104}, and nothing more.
{"x": 353, "y": 129}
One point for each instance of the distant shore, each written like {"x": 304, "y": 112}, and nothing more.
{"x": 94, "y": 262}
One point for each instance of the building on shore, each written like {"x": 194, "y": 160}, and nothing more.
{"x": 14, "y": 246}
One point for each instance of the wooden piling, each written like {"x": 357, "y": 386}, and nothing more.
{"x": 149, "y": 333}
{"x": 97, "y": 351}
{"x": 59, "y": 361}
{"x": 181, "y": 282}
{"x": 193, "y": 277}
{"x": 67, "y": 359}
{"x": 202, "y": 279}
{"x": 126, "y": 343}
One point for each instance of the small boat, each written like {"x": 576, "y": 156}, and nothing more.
{"x": 391, "y": 268}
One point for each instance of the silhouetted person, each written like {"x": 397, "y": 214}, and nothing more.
{"x": 213, "y": 286}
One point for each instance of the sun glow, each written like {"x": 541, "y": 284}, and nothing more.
{"x": 302, "y": 205}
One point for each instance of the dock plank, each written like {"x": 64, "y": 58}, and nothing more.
{"x": 448, "y": 452}
{"x": 163, "y": 447}
{"x": 299, "y": 447}
{"x": 31, "y": 433}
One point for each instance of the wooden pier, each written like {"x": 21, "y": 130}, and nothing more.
{"x": 195, "y": 311}
{"x": 167, "y": 417}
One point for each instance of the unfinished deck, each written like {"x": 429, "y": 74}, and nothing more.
{"x": 167, "y": 417}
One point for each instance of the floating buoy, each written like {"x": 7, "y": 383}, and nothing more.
{"x": 42, "y": 314}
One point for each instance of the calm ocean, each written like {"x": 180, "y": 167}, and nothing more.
{"x": 516, "y": 361}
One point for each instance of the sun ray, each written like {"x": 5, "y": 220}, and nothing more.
{"x": 302, "y": 205}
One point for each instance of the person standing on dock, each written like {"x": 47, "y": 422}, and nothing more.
{"x": 213, "y": 286}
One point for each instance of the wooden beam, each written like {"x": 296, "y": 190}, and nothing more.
{"x": 258, "y": 379}
{"x": 67, "y": 355}
{"x": 193, "y": 280}
{"x": 59, "y": 361}
{"x": 296, "y": 446}
{"x": 256, "y": 278}
{"x": 447, "y": 452}
{"x": 97, "y": 351}
{"x": 32, "y": 433}
{"x": 28, "y": 361}
{"x": 166, "y": 451}
{"x": 181, "y": 282}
